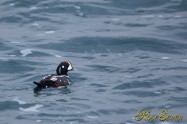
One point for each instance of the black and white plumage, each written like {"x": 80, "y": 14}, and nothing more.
{"x": 61, "y": 77}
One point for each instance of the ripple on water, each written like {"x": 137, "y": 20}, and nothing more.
{"x": 141, "y": 93}
{"x": 122, "y": 65}
{"x": 3, "y": 46}
{"x": 181, "y": 100}
{"x": 15, "y": 66}
{"x": 32, "y": 108}
{"x": 141, "y": 84}
{"x": 116, "y": 45}
{"x": 33, "y": 53}
{"x": 26, "y": 52}
{"x": 8, "y": 105}
{"x": 97, "y": 85}
{"x": 104, "y": 68}
{"x": 19, "y": 101}
{"x": 113, "y": 111}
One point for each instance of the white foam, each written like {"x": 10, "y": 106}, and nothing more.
{"x": 115, "y": 19}
{"x": 160, "y": 16}
{"x": 148, "y": 16}
{"x": 19, "y": 101}
{"x": 80, "y": 13}
{"x": 26, "y": 52}
{"x": 165, "y": 123}
{"x": 32, "y": 108}
{"x": 77, "y": 7}
{"x": 184, "y": 60}
{"x": 157, "y": 92}
{"x": 73, "y": 122}
{"x": 92, "y": 117}
{"x": 167, "y": 106}
{"x": 120, "y": 54}
{"x": 128, "y": 123}
{"x": 3, "y": 59}
{"x": 40, "y": 35}
{"x": 128, "y": 76}
{"x": 15, "y": 42}
{"x": 36, "y": 25}
{"x": 50, "y": 32}
{"x": 58, "y": 56}
{"x": 38, "y": 121}
{"x": 165, "y": 58}
{"x": 12, "y": 4}
{"x": 177, "y": 16}
{"x": 33, "y": 8}
{"x": 12, "y": 55}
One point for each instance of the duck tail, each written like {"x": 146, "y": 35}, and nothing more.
{"x": 38, "y": 84}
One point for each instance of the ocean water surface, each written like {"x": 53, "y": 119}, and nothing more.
{"x": 128, "y": 55}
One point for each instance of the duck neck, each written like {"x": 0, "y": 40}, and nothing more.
{"x": 64, "y": 73}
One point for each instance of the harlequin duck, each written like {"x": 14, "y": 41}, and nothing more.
{"x": 61, "y": 77}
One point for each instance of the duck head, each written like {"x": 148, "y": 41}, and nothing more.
{"x": 63, "y": 68}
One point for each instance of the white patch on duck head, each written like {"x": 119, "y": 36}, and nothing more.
{"x": 70, "y": 67}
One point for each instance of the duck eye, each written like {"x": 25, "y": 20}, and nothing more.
{"x": 62, "y": 66}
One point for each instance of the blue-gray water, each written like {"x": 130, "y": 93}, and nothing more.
{"x": 128, "y": 55}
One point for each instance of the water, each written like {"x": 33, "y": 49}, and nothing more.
{"x": 128, "y": 55}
